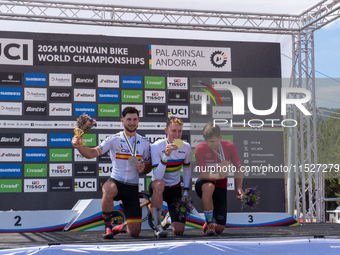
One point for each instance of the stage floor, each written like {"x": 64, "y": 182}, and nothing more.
{"x": 309, "y": 231}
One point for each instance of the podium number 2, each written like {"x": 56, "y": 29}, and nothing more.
{"x": 18, "y": 220}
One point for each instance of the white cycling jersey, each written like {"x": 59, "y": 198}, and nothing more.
{"x": 120, "y": 153}
{"x": 168, "y": 168}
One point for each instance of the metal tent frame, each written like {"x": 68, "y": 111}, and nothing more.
{"x": 301, "y": 27}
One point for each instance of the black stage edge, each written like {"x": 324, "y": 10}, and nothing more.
{"x": 310, "y": 230}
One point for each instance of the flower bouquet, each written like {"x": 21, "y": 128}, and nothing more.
{"x": 184, "y": 207}
{"x": 84, "y": 124}
{"x": 250, "y": 198}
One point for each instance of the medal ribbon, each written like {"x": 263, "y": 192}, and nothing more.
{"x": 132, "y": 152}
{"x": 221, "y": 154}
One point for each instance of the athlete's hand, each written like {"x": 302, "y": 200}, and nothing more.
{"x": 239, "y": 194}
{"x": 140, "y": 166}
{"x": 75, "y": 141}
{"x": 169, "y": 148}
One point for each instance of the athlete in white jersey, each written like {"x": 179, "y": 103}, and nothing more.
{"x": 130, "y": 155}
{"x": 167, "y": 162}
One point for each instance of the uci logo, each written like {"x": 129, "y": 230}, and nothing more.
{"x": 16, "y": 52}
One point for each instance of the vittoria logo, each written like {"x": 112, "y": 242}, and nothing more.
{"x": 108, "y": 81}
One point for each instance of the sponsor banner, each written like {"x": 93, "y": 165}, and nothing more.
{"x": 10, "y": 170}
{"x": 141, "y": 185}
{"x": 61, "y": 169}
{"x": 35, "y": 79}
{"x": 14, "y": 124}
{"x": 134, "y": 82}
{"x": 106, "y": 157}
{"x": 102, "y": 137}
{"x": 152, "y": 125}
{"x": 108, "y": 95}
{"x": 7, "y": 108}
{"x": 229, "y": 138}
{"x": 167, "y": 57}
{"x": 177, "y": 83}
{"x": 85, "y": 184}
{"x": 196, "y": 140}
{"x": 35, "y": 94}
{"x": 89, "y": 109}
{"x": 219, "y": 83}
{"x": 132, "y": 96}
{"x": 35, "y": 170}
{"x": 155, "y": 110}
{"x": 35, "y": 155}
{"x": 153, "y": 138}
{"x": 109, "y": 125}
{"x": 196, "y": 112}
{"x": 197, "y": 126}
{"x": 231, "y": 184}
{"x": 10, "y": 185}
{"x": 60, "y": 140}
{"x": 60, "y": 79}
{"x": 60, "y": 95}
{"x": 10, "y": 78}
{"x": 196, "y": 97}
{"x": 180, "y": 111}
{"x": 60, "y": 109}
{"x": 79, "y": 157}
{"x": 89, "y": 54}
{"x": 85, "y": 95}
{"x": 84, "y": 80}
{"x": 222, "y": 112}
{"x": 153, "y": 82}
{"x": 61, "y": 185}
{"x": 35, "y": 140}
{"x": 108, "y": 110}
{"x": 104, "y": 169}
{"x": 154, "y": 96}
{"x": 177, "y": 97}
{"x": 89, "y": 139}
{"x": 7, "y": 93}
{"x": 139, "y": 107}
{"x": 60, "y": 155}
{"x": 35, "y": 109}
{"x": 16, "y": 52}
{"x": 10, "y": 139}
{"x": 35, "y": 185}
{"x": 108, "y": 81}
{"x": 89, "y": 169}
{"x": 10, "y": 155}
{"x": 198, "y": 83}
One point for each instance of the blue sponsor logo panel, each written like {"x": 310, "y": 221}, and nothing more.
{"x": 10, "y": 93}
{"x": 108, "y": 95}
{"x": 135, "y": 82}
{"x": 10, "y": 170}
{"x": 89, "y": 109}
{"x": 32, "y": 155}
{"x": 35, "y": 79}
{"x": 60, "y": 140}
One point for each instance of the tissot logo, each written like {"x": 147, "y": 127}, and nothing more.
{"x": 35, "y": 109}
{"x": 11, "y": 78}
{"x": 177, "y": 83}
{"x": 178, "y": 111}
{"x": 108, "y": 81}
{"x": 60, "y": 95}
{"x": 11, "y": 139}
{"x": 155, "y": 110}
{"x": 85, "y": 95}
{"x": 136, "y": 106}
{"x": 84, "y": 80}
{"x": 57, "y": 170}
{"x": 85, "y": 184}
{"x": 35, "y": 185}
{"x": 16, "y": 52}
{"x": 154, "y": 96}
{"x": 79, "y": 157}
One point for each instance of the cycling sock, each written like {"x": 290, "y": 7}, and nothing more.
{"x": 209, "y": 216}
{"x": 107, "y": 219}
{"x": 157, "y": 215}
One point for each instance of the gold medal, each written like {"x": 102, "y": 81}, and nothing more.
{"x": 179, "y": 143}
